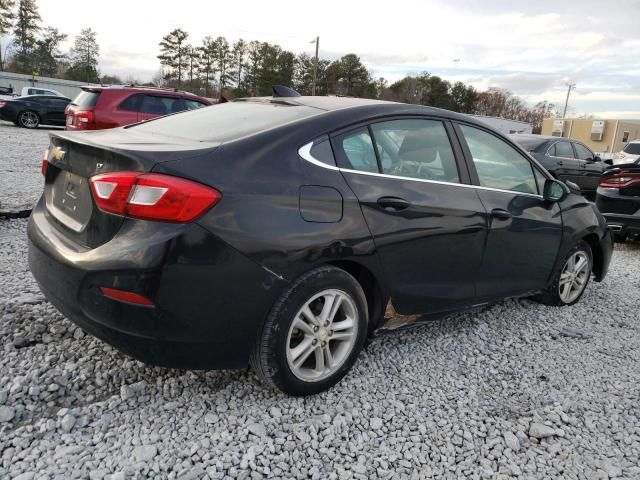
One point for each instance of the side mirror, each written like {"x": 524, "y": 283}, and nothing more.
{"x": 555, "y": 190}
{"x": 608, "y": 161}
{"x": 596, "y": 158}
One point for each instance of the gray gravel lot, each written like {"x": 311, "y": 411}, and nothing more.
{"x": 518, "y": 389}
{"x": 515, "y": 390}
{"x": 20, "y": 162}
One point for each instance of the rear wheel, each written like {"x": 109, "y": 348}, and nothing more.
{"x": 29, "y": 119}
{"x": 313, "y": 334}
{"x": 572, "y": 279}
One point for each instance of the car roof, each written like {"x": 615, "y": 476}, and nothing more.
{"x": 30, "y": 97}
{"x": 137, "y": 88}
{"x": 372, "y": 106}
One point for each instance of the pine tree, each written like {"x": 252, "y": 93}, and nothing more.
{"x": 6, "y": 22}
{"x": 25, "y": 32}
{"x": 174, "y": 53}
{"x": 85, "y": 54}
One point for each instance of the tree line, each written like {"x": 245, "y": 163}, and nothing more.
{"x": 35, "y": 49}
{"x": 217, "y": 67}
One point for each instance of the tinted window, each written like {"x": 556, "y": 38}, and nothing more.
{"x": 321, "y": 151}
{"x": 132, "y": 103}
{"x": 563, "y": 149}
{"x": 583, "y": 152}
{"x": 227, "y": 121}
{"x": 415, "y": 148}
{"x": 355, "y": 151}
{"x": 552, "y": 150}
{"x": 632, "y": 148}
{"x": 498, "y": 164}
{"x": 60, "y": 103}
{"x": 86, "y": 99}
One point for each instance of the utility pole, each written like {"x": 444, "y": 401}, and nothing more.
{"x": 571, "y": 87}
{"x": 315, "y": 67}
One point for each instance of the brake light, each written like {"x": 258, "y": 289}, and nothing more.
{"x": 126, "y": 297}
{"x": 84, "y": 117}
{"x": 152, "y": 196}
{"x": 45, "y": 162}
{"x": 620, "y": 180}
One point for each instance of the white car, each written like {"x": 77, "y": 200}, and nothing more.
{"x": 629, "y": 154}
{"x": 30, "y": 91}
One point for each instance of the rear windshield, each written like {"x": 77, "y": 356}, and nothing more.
{"x": 86, "y": 99}
{"x": 632, "y": 148}
{"x": 226, "y": 121}
{"x": 529, "y": 144}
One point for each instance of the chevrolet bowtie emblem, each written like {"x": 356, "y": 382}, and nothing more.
{"x": 58, "y": 153}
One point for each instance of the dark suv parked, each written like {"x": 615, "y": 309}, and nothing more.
{"x": 96, "y": 108}
{"x": 566, "y": 159}
{"x": 275, "y": 231}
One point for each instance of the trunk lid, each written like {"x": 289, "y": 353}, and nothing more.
{"x": 73, "y": 158}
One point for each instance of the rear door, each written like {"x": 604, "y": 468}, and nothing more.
{"x": 428, "y": 225}
{"x": 153, "y": 106}
{"x": 592, "y": 169}
{"x": 568, "y": 167}
{"x": 55, "y": 110}
{"x": 524, "y": 229}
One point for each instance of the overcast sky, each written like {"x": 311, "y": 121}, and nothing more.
{"x": 531, "y": 47}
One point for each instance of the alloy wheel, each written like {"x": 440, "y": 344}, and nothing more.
{"x": 29, "y": 120}
{"x": 322, "y": 335}
{"x": 574, "y": 276}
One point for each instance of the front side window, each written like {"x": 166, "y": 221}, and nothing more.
{"x": 583, "y": 152}
{"x": 498, "y": 164}
{"x": 632, "y": 148}
{"x": 417, "y": 149}
{"x": 354, "y": 150}
{"x": 564, "y": 150}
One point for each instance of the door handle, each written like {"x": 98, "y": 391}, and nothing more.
{"x": 393, "y": 204}
{"x": 501, "y": 214}
{"x": 560, "y": 162}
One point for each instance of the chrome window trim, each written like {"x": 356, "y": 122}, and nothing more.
{"x": 305, "y": 153}
{"x": 556, "y": 156}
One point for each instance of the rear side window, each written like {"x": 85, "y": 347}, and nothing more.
{"x": 227, "y": 121}
{"x": 417, "y": 149}
{"x": 564, "y": 150}
{"x": 131, "y": 103}
{"x": 498, "y": 164}
{"x": 86, "y": 99}
{"x": 632, "y": 148}
{"x": 354, "y": 150}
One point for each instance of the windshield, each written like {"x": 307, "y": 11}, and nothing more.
{"x": 226, "y": 121}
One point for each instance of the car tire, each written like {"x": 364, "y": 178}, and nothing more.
{"x": 29, "y": 119}
{"x": 570, "y": 282}
{"x": 305, "y": 329}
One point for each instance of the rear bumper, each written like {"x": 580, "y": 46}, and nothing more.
{"x": 209, "y": 299}
{"x": 623, "y": 224}
{"x": 622, "y": 212}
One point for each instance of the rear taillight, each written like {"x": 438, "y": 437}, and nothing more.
{"x": 152, "y": 196}
{"x": 45, "y": 162}
{"x": 620, "y": 180}
{"x": 83, "y": 118}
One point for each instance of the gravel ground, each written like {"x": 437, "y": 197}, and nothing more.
{"x": 518, "y": 389}
{"x": 20, "y": 177}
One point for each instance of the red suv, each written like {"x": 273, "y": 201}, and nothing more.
{"x": 96, "y": 108}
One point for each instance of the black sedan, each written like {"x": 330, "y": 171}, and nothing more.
{"x": 34, "y": 110}
{"x": 275, "y": 231}
{"x": 618, "y": 199}
{"x": 565, "y": 159}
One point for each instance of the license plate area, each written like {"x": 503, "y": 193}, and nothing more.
{"x": 68, "y": 199}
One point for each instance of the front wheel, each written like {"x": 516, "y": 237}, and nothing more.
{"x": 313, "y": 334}
{"x": 572, "y": 279}
{"x": 29, "y": 119}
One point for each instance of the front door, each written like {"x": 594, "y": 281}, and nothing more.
{"x": 429, "y": 228}
{"x": 524, "y": 229}
{"x": 592, "y": 169}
